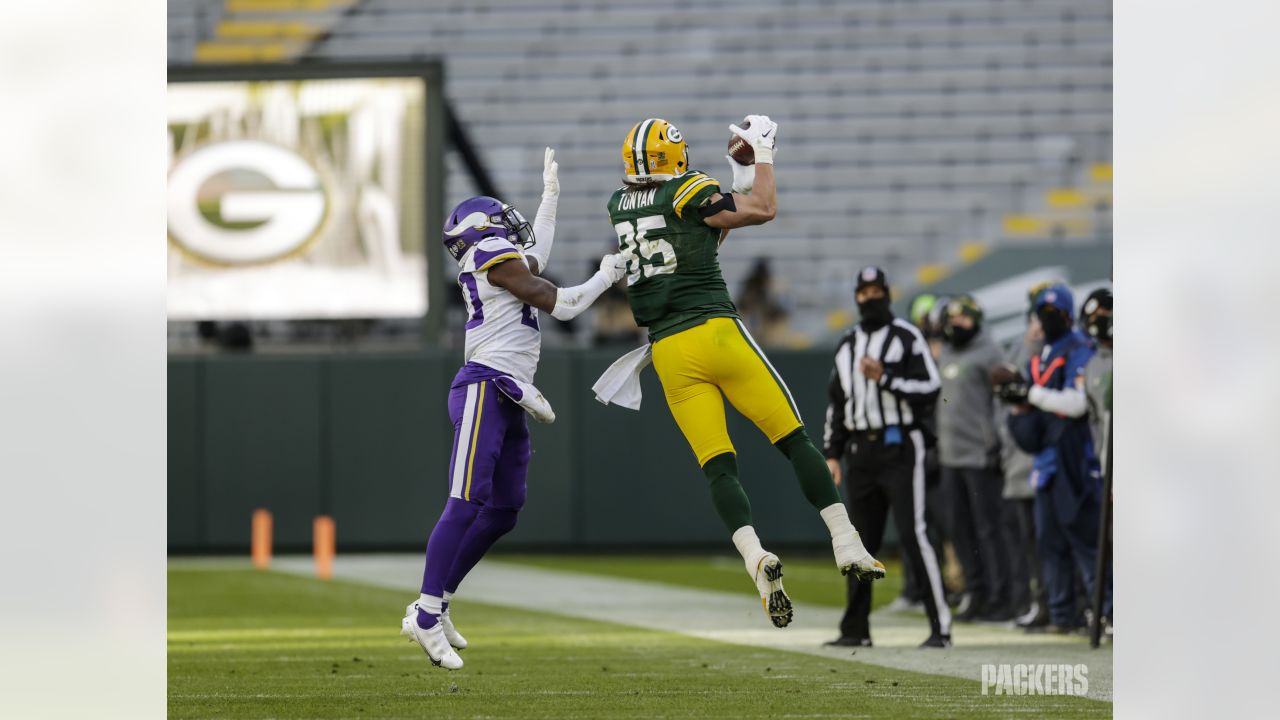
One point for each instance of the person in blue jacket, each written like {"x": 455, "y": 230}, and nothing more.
{"x": 1049, "y": 420}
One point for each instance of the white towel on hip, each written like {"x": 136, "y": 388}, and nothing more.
{"x": 620, "y": 384}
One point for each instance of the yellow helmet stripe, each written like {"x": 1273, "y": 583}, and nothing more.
{"x": 641, "y": 141}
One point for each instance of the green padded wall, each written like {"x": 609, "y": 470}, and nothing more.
{"x": 365, "y": 437}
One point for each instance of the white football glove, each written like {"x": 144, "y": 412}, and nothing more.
{"x": 761, "y": 136}
{"x": 614, "y": 266}
{"x": 528, "y": 397}
{"x": 744, "y": 176}
{"x": 550, "y": 174}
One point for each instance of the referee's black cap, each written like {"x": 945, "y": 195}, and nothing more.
{"x": 871, "y": 275}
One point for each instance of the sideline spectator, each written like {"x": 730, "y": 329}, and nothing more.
{"x": 612, "y": 320}
{"x": 969, "y": 451}
{"x": 1049, "y": 420}
{"x": 1095, "y": 320}
{"x": 756, "y": 301}
{"x": 1019, "y": 496}
{"x": 765, "y": 316}
{"x": 912, "y": 597}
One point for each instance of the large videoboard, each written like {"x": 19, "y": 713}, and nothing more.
{"x": 302, "y": 191}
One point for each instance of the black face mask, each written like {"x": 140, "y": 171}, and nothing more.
{"x": 875, "y": 312}
{"x": 1099, "y": 327}
{"x": 958, "y": 336}
{"x": 1054, "y": 322}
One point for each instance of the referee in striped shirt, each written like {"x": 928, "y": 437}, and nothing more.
{"x": 883, "y": 373}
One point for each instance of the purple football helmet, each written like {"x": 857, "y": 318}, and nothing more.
{"x": 477, "y": 218}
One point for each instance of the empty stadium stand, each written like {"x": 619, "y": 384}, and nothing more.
{"x": 914, "y": 133}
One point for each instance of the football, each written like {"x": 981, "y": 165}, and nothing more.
{"x": 739, "y": 149}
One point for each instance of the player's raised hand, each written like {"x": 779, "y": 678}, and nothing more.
{"x": 761, "y": 133}
{"x": 550, "y": 174}
{"x": 615, "y": 266}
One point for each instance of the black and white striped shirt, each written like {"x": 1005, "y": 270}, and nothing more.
{"x": 858, "y": 403}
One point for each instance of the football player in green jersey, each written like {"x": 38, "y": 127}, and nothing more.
{"x": 670, "y": 220}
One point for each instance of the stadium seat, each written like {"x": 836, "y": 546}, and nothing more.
{"x": 919, "y": 125}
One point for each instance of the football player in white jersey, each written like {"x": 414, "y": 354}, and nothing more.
{"x": 500, "y": 258}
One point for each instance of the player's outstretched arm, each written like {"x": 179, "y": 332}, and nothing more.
{"x": 734, "y": 211}
{"x": 544, "y": 223}
{"x": 562, "y": 303}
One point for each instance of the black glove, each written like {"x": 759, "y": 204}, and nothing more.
{"x": 1008, "y": 385}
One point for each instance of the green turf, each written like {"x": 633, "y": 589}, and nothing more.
{"x": 247, "y": 644}
{"x": 808, "y": 578}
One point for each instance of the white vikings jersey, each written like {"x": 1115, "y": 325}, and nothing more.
{"x": 502, "y": 332}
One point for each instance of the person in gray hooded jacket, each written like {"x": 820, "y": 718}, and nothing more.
{"x": 969, "y": 452}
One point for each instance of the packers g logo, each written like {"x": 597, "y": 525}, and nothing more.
{"x": 244, "y": 202}
{"x": 673, "y": 134}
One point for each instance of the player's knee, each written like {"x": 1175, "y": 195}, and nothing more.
{"x": 457, "y": 509}
{"x": 501, "y": 520}
{"x": 724, "y": 465}
{"x": 793, "y": 442}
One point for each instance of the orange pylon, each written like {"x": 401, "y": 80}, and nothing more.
{"x": 323, "y": 543}
{"x": 260, "y": 540}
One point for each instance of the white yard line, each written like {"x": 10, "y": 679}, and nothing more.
{"x": 727, "y": 617}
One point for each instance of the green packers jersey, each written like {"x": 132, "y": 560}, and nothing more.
{"x": 673, "y": 274}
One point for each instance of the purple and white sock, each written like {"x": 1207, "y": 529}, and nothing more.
{"x": 429, "y": 609}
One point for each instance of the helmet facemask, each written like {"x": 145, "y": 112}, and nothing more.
{"x": 519, "y": 231}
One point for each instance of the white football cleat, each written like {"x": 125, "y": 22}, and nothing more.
{"x": 450, "y": 632}
{"x": 410, "y": 617}
{"x": 433, "y": 643}
{"x": 852, "y": 557}
{"x": 767, "y": 575}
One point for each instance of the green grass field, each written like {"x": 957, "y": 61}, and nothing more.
{"x": 247, "y": 644}
{"x": 809, "y": 578}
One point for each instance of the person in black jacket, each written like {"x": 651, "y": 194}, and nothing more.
{"x": 883, "y": 372}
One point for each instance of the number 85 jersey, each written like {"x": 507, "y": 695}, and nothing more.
{"x": 673, "y": 270}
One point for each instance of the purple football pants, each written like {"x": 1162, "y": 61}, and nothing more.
{"x": 487, "y": 471}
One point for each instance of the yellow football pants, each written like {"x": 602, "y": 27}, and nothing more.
{"x": 719, "y": 356}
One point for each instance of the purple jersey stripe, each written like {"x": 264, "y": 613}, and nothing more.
{"x": 471, "y": 294}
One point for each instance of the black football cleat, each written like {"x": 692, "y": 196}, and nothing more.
{"x": 847, "y": 641}
{"x": 937, "y": 641}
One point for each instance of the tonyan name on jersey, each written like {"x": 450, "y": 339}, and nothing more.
{"x": 502, "y": 332}
{"x": 673, "y": 274}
